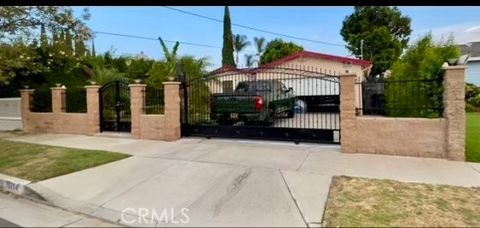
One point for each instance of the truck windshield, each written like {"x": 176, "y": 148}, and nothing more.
{"x": 253, "y": 86}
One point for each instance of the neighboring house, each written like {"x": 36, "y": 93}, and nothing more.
{"x": 473, "y": 70}
{"x": 325, "y": 66}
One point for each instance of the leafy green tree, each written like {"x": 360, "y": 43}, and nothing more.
{"x": 422, "y": 60}
{"x": 384, "y": 31}
{"x": 471, "y": 91}
{"x": 193, "y": 67}
{"x": 227, "y": 50}
{"x": 277, "y": 49}
{"x": 472, "y": 97}
{"x": 21, "y": 27}
{"x": 23, "y": 21}
{"x": 18, "y": 60}
{"x": 157, "y": 74}
{"x": 138, "y": 68}
{"x": 239, "y": 44}
{"x": 103, "y": 75}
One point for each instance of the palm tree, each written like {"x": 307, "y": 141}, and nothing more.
{"x": 170, "y": 58}
{"x": 260, "y": 45}
{"x": 239, "y": 43}
{"x": 249, "y": 61}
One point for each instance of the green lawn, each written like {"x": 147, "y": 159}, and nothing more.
{"x": 473, "y": 136}
{"x": 38, "y": 162}
{"x": 362, "y": 202}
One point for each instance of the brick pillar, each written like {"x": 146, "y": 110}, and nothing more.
{"x": 58, "y": 100}
{"x": 58, "y": 106}
{"x": 172, "y": 111}
{"x": 137, "y": 105}
{"x": 93, "y": 109}
{"x": 347, "y": 113}
{"x": 454, "y": 111}
{"x": 26, "y": 101}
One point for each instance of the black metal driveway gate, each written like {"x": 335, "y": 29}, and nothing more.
{"x": 115, "y": 107}
{"x": 263, "y": 103}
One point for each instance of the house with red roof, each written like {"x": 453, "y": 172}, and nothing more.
{"x": 312, "y": 61}
{"x": 308, "y": 73}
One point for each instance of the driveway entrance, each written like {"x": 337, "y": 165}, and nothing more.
{"x": 286, "y": 104}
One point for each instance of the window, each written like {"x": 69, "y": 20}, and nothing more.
{"x": 262, "y": 86}
{"x": 242, "y": 87}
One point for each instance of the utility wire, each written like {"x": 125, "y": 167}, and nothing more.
{"x": 256, "y": 29}
{"x": 156, "y": 39}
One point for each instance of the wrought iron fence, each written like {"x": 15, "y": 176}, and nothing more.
{"x": 42, "y": 101}
{"x": 154, "y": 100}
{"x": 76, "y": 99}
{"x": 401, "y": 98}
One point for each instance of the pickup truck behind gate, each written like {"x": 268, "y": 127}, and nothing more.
{"x": 253, "y": 102}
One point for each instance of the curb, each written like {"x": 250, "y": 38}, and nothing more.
{"x": 37, "y": 193}
{"x": 19, "y": 187}
{"x": 53, "y": 199}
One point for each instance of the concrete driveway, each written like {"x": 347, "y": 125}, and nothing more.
{"x": 225, "y": 182}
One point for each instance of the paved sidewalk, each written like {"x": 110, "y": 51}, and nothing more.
{"x": 226, "y": 182}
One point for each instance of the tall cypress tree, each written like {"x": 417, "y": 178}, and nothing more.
{"x": 227, "y": 50}
{"x": 80, "y": 49}
{"x": 55, "y": 39}
{"x": 43, "y": 40}
{"x": 61, "y": 41}
{"x": 93, "y": 49}
{"x": 68, "y": 43}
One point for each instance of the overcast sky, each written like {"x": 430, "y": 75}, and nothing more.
{"x": 321, "y": 24}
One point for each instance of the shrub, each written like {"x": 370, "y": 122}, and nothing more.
{"x": 422, "y": 61}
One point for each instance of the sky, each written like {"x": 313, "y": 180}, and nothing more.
{"x": 319, "y": 23}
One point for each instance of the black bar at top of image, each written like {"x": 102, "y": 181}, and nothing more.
{"x": 242, "y": 3}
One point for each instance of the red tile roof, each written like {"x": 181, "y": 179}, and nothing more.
{"x": 302, "y": 54}
{"x": 309, "y": 54}
{"x": 222, "y": 69}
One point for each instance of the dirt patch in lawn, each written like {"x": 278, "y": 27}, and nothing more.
{"x": 373, "y": 202}
{"x": 39, "y": 162}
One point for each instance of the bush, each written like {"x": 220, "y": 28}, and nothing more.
{"x": 76, "y": 98}
{"x": 471, "y": 108}
{"x": 42, "y": 100}
{"x": 421, "y": 63}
